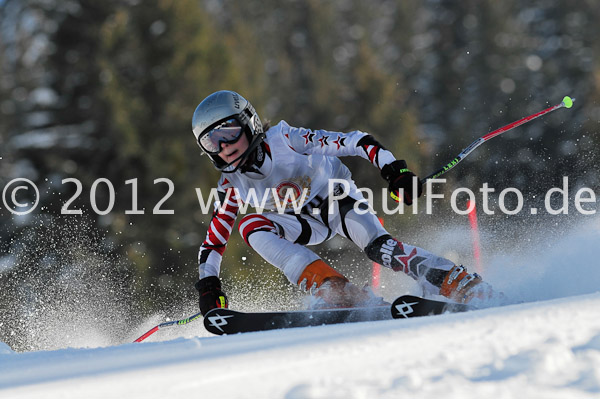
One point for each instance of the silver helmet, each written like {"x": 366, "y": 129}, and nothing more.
{"x": 223, "y": 117}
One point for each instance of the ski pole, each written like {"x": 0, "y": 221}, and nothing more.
{"x": 169, "y": 324}
{"x": 567, "y": 102}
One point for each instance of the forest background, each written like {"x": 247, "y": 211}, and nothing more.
{"x": 107, "y": 89}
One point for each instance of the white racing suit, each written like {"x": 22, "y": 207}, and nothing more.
{"x": 293, "y": 167}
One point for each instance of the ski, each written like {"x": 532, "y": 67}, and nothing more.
{"x": 226, "y": 321}
{"x": 408, "y": 306}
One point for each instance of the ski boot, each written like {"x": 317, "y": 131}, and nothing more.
{"x": 463, "y": 287}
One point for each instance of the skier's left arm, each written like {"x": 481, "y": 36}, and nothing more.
{"x": 357, "y": 143}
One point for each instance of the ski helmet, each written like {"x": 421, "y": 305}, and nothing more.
{"x": 221, "y": 118}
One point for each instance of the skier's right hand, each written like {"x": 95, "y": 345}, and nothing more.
{"x": 211, "y": 295}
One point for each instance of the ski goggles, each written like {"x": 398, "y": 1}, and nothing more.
{"x": 228, "y": 131}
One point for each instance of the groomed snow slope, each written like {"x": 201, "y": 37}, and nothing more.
{"x": 548, "y": 349}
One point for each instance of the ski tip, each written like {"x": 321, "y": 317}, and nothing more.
{"x": 568, "y": 101}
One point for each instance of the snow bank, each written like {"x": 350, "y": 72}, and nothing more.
{"x": 547, "y": 349}
{"x": 5, "y": 349}
{"x": 553, "y": 267}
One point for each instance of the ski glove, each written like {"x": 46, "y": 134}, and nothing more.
{"x": 211, "y": 295}
{"x": 400, "y": 177}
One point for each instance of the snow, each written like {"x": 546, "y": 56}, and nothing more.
{"x": 547, "y": 346}
{"x": 67, "y": 136}
{"x": 5, "y": 349}
{"x": 548, "y": 349}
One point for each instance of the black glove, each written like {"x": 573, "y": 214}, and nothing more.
{"x": 398, "y": 176}
{"x": 211, "y": 295}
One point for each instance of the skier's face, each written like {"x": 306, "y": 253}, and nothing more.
{"x": 231, "y": 151}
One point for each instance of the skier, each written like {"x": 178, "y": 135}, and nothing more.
{"x": 288, "y": 162}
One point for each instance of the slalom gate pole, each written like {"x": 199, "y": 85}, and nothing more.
{"x": 376, "y": 272}
{"x": 475, "y": 236}
{"x": 169, "y": 324}
{"x": 567, "y": 102}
